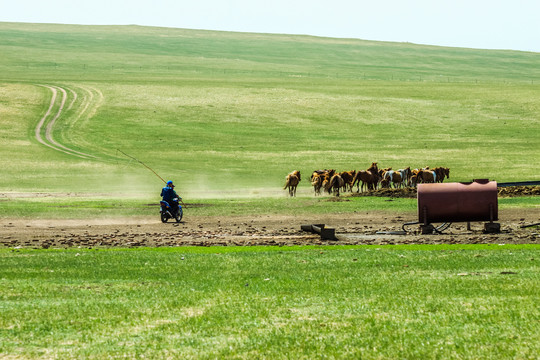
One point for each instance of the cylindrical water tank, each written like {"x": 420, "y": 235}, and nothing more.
{"x": 457, "y": 202}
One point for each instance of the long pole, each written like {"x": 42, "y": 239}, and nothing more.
{"x": 146, "y": 166}
{"x": 531, "y": 225}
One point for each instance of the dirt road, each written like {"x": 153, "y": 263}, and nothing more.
{"x": 359, "y": 228}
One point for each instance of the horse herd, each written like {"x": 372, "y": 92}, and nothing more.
{"x": 333, "y": 182}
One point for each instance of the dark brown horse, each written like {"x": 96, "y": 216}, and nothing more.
{"x": 334, "y": 184}
{"x": 439, "y": 171}
{"x": 369, "y": 177}
{"x": 426, "y": 176}
{"x": 446, "y": 172}
{"x": 348, "y": 178}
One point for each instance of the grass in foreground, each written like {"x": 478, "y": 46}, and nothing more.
{"x": 452, "y": 302}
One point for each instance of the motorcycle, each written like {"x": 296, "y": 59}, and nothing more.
{"x": 171, "y": 211}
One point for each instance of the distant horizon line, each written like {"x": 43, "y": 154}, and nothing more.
{"x": 270, "y": 33}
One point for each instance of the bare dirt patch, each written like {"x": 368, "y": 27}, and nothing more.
{"x": 511, "y": 191}
{"x": 357, "y": 228}
{"x": 514, "y": 191}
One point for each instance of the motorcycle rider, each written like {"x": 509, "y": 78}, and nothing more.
{"x": 168, "y": 194}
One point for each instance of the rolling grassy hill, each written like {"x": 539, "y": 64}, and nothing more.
{"x": 221, "y": 111}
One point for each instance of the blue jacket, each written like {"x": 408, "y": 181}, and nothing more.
{"x": 168, "y": 193}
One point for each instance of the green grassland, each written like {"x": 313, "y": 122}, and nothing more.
{"x": 69, "y": 207}
{"x": 227, "y": 115}
{"x": 232, "y": 113}
{"x": 410, "y": 302}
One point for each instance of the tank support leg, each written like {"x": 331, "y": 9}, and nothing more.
{"x": 427, "y": 229}
{"x": 492, "y": 227}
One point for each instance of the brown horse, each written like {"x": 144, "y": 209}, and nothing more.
{"x": 447, "y": 172}
{"x": 369, "y": 177}
{"x": 327, "y": 172}
{"x": 426, "y": 176}
{"x": 334, "y": 184}
{"x": 439, "y": 171}
{"x": 291, "y": 182}
{"x": 414, "y": 180}
{"x": 348, "y": 178}
{"x": 317, "y": 183}
{"x": 393, "y": 177}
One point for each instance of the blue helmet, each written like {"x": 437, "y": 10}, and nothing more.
{"x": 169, "y": 183}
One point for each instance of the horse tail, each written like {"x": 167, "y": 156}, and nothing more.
{"x": 287, "y": 182}
{"x": 356, "y": 178}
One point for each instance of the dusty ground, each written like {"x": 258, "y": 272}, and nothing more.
{"x": 359, "y": 228}
{"x": 410, "y": 192}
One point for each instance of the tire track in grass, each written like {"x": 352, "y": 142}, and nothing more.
{"x": 49, "y": 129}
{"x": 75, "y": 96}
{"x": 97, "y": 103}
{"x": 48, "y": 125}
{"x": 89, "y": 105}
{"x": 88, "y": 111}
{"x": 87, "y": 100}
{"x": 44, "y": 118}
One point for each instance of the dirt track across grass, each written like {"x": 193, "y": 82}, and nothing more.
{"x": 358, "y": 228}
{"x": 48, "y": 120}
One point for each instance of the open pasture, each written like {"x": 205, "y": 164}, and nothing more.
{"x": 222, "y": 112}
{"x": 227, "y": 116}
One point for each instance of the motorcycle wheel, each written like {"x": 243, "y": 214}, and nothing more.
{"x": 179, "y": 215}
{"x": 164, "y": 217}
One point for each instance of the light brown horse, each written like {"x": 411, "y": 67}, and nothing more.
{"x": 317, "y": 183}
{"x": 291, "y": 182}
{"x": 393, "y": 177}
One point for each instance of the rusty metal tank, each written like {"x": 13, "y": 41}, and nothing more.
{"x": 457, "y": 202}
